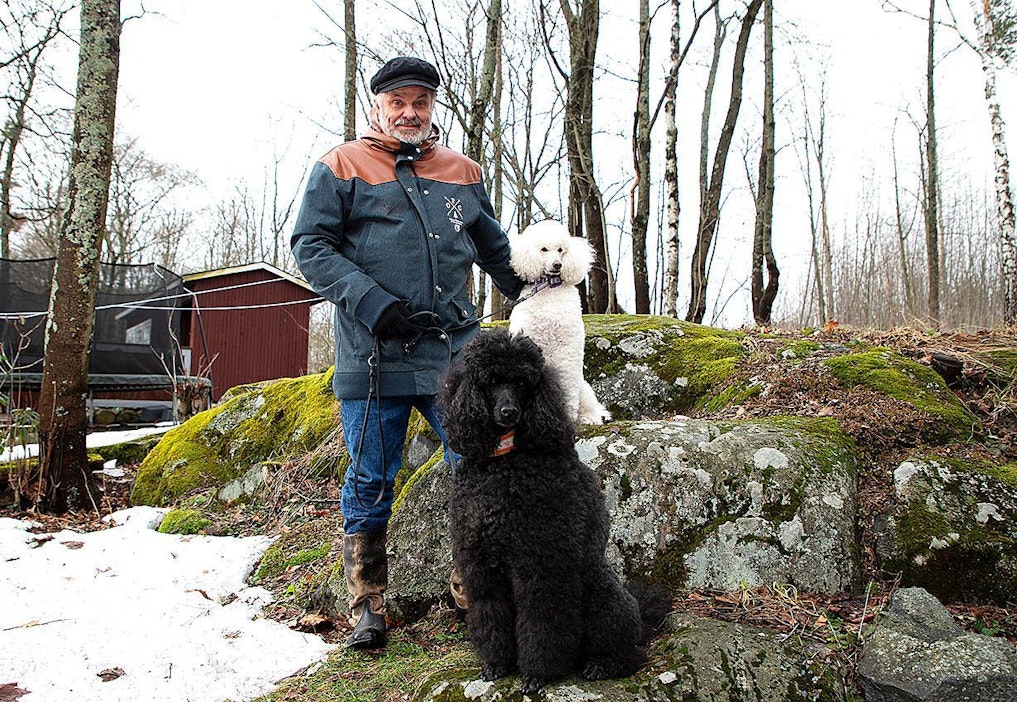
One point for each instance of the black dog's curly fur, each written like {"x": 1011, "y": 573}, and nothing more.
{"x": 529, "y": 527}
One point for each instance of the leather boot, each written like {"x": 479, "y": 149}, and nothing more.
{"x": 366, "y": 566}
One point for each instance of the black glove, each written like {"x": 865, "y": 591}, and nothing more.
{"x": 395, "y": 323}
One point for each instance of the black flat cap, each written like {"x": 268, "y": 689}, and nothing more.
{"x": 403, "y": 71}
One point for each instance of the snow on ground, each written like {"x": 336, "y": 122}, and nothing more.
{"x": 94, "y": 439}
{"x": 172, "y": 612}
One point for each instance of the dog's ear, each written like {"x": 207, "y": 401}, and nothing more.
{"x": 577, "y": 261}
{"x": 545, "y": 420}
{"x": 525, "y": 258}
{"x": 465, "y": 417}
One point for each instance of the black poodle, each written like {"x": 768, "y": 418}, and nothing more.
{"x": 529, "y": 525}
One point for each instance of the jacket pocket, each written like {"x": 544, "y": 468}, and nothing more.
{"x": 463, "y": 310}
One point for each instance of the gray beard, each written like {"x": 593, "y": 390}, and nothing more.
{"x": 416, "y": 141}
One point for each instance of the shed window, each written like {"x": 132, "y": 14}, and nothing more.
{"x": 140, "y": 333}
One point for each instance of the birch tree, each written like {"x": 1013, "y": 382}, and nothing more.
{"x": 996, "y": 25}
{"x": 63, "y": 460}
{"x": 668, "y": 100}
{"x": 669, "y": 292}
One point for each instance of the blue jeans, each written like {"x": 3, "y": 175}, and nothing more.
{"x": 370, "y": 472}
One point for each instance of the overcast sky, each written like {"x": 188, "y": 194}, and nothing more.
{"x": 220, "y": 86}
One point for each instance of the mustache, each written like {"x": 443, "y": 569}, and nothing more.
{"x": 408, "y": 123}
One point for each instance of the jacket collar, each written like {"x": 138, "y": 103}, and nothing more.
{"x": 384, "y": 142}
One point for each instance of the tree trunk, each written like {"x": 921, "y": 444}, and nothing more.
{"x": 63, "y": 460}
{"x": 763, "y": 294}
{"x": 586, "y": 207}
{"x": 640, "y": 214}
{"x": 709, "y": 209}
{"x": 350, "y": 88}
{"x": 932, "y": 185}
{"x": 481, "y": 106}
{"x": 903, "y": 231}
{"x": 670, "y": 291}
{"x": 1005, "y": 219}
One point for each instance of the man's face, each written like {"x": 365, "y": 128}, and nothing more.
{"x": 405, "y": 113}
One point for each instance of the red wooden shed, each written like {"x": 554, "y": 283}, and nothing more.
{"x": 246, "y": 324}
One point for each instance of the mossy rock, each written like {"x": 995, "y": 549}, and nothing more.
{"x": 954, "y": 529}
{"x": 287, "y": 418}
{"x": 129, "y": 452}
{"x": 887, "y": 372}
{"x": 696, "y": 660}
{"x": 184, "y": 521}
{"x": 649, "y": 366}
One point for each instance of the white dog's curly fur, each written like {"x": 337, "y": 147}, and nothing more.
{"x": 546, "y": 257}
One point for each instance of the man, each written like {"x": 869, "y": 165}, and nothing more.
{"x": 388, "y": 231}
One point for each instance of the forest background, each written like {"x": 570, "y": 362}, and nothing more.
{"x": 223, "y": 106}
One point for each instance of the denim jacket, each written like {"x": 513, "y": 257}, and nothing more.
{"x": 383, "y": 221}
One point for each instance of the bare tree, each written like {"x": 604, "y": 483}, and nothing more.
{"x": 996, "y": 24}
{"x": 814, "y": 164}
{"x": 763, "y": 294}
{"x": 531, "y": 140}
{"x": 143, "y": 223}
{"x": 668, "y": 100}
{"x": 931, "y": 183}
{"x": 669, "y": 292}
{"x": 350, "y": 86}
{"x": 586, "y": 205}
{"x": 63, "y": 460}
{"x": 709, "y": 208}
{"x": 640, "y": 195}
{"x": 28, "y": 29}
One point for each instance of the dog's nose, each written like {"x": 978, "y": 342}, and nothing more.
{"x": 556, "y": 266}
{"x": 508, "y": 413}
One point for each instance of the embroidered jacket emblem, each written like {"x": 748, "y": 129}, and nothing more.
{"x": 455, "y": 212}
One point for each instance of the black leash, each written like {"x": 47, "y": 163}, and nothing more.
{"x": 374, "y": 391}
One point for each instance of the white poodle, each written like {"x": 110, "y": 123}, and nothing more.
{"x": 553, "y": 263}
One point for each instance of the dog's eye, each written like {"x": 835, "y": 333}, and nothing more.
{"x": 561, "y": 250}
{"x": 543, "y": 249}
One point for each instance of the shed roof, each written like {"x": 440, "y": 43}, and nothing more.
{"x": 248, "y": 268}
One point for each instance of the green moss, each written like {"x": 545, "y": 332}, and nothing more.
{"x": 284, "y": 554}
{"x": 129, "y": 452}
{"x": 691, "y": 359}
{"x": 1006, "y": 473}
{"x": 437, "y": 458}
{"x": 734, "y": 394}
{"x": 285, "y": 418}
{"x": 820, "y": 439}
{"x": 918, "y": 525}
{"x": 891, "y": 374}
{"x": 184, "y": 521}
{"x": 799, "y": 348}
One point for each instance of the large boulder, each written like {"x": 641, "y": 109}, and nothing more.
{"x": 283, "y": 419}
{"x": 693, "y": 504}
{"x": 918, "y": 652}
{"x": 652, "y": 367}
{"x": 695, "y": 659}
{"x": 953, "y": 530}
